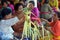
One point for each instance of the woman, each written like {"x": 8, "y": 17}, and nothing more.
{"x": 54, "y": 3}
{"x": 46, "y": 11}
{"x": 6, "y": 21}
{"x": 11, "y": 5}
{"x": 55, "y": 27}
{"x": 18, "y": 28}
{"x": 39, "y": 4}
{"x": 4, "y": 4}
{"x": 34, "y": 10}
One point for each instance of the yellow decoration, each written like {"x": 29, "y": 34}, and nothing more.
{"x": 54, "y": 3}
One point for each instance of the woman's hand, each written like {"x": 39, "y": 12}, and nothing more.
{"x": 45, "y": 20}
{"x": 49, "y": 29}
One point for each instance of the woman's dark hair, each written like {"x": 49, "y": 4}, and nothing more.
{"x": 3, "y": 1}
{"x": 40, "y": 1}
{"x": 46, "y": 1}
{"x": 32, "y": 2}
{"x": 4, "y": 12}
{"x": 22, "y": 0}
{"x": 17, "y": 6}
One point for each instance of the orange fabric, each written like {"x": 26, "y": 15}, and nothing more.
{"x": 55, "y": 27}
{"x": 56, "y": 38}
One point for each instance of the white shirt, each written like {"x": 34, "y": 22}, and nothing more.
{"x": 5, "y": 25}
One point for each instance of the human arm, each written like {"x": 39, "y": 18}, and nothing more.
{"x": 19, "y": 25}
{"x": 21, "y": 21}
{"x": 48, "y": 23}
{"x": 50, "y": 9}
{"x": 37, "y": 12}
{"x": 49, "y": 29}
{"x": 11, "y": 21}
{"x": 36, "y": 19}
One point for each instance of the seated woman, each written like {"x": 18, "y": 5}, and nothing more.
{"x": 46, "y": 11}
{"x": 55, "y": 27}
{"x": 18, "y": 28}
{"x": 11, "y": 5}
{"x": 40, "y": 3}
{"x": 54, "y": 4}
{"x": 35, "y": 12}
